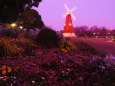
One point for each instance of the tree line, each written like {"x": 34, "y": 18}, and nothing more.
{"x": 82, "y": 31}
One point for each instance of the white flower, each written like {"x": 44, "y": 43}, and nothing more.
{"x": 43, "y": 78}
{"x": 14, "y": 77}
{"x": 68, "y": 69}
{"x": 103, "y": 67}
{"x": 63, "y": 71}
{"x": 61, "y": 61}
{"x": 110, "y": 60}
{"x": 33, "y": 82}
{"x": 11, "y": 84}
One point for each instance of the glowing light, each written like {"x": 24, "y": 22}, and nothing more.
{"x": 93, "y": 33}
{"x": 13, "y": 25}
{"x": 21, "y": 27}
{"x": 70, "y": 24}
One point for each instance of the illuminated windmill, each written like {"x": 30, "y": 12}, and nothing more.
{"x": 68, "y": 27}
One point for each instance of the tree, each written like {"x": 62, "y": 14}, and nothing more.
{"x": 81, "y": 30}
{"x": 103, "y": 31}
{"x": 95, "y": 30}
{"x": 10, "y": 9}
{"x": 30, "y": 19}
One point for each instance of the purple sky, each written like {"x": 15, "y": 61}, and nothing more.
{"x": 89, "y": 12}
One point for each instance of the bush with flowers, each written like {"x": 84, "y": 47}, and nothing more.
{"x": 26, "y": 44}
{"x": 66, "y": 46}
{"x": 100, "y": 74}
{"x": 10, "y": 76}
{"x": 5, "y": 70}
{"x": 8, "y": 48}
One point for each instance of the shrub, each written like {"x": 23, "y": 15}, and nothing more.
{"x": 48, "y": 38}
{"x": 8, "y": 33}
{"x": 110, "y": 60}
{"x": 33, "y": 33}
{"x": 99, "y": 72}
{"x": 4, "y": 31}
{"x": 66, "y": 46}
{"x": 8, "y": 48}
{"x": 27, "y": 44}
{"x": 24, "y": 41}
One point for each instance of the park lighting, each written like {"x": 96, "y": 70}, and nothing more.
{"x": 93, "y": 33}
{"x": 13, "y": 25}
{"x": 21, "y": 27}
{"x": 96, "y": 36}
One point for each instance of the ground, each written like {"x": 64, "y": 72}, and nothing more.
{"x": 105, "y": 45}
{"x": 50, "y": 67}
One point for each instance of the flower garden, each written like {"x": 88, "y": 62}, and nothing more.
{"x": 51, "y": 60}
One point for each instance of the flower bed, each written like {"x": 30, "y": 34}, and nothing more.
{"x": 52, "y": 67}
{"x": 70, "y": 64}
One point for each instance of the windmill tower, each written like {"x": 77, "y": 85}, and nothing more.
{"x": 68, "y": 27}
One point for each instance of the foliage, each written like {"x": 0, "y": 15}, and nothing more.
{"x": 8, "y": 33}
{"x": 110, "y": 61}
{"x": 100, "y": 73}
{"x": 48, "y": 38}
{"x": 4, "y": 31}
{"x": 9, "y": 75}
{"x": 24, "y": 41}
{"x": 30, "y": 19}
{"x": 103, "y": 31}
{"x": 66, "y": 46}
{"x": 8, "y": 48}
{"x": 26, "y": 44}
{"x": 10, "y": 9}
{"x": 57, "y": 69}
{"x": 33, "y": 33}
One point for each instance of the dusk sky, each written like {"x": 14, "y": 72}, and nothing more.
{"x": 89, "y": 12}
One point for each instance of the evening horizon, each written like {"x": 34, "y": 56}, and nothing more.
{"x": 89, "y": 13}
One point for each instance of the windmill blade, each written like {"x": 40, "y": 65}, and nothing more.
{"x": 73, "y": 9}
{"x": 66, "y": 7}
{"x": 73, "y": 16}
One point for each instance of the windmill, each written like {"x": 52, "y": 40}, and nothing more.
{"x": 68, "y": 27}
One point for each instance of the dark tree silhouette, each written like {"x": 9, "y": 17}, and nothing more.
{"x": 30, "y": 19}
{"x": 103, "y": 31}
{"x": 11, "y": 9}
